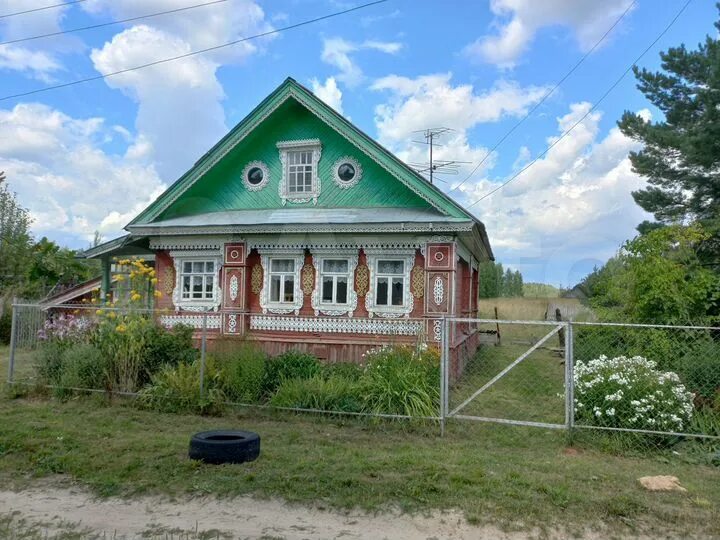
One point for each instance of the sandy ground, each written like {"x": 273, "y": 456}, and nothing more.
{"x": 243, "y": 517}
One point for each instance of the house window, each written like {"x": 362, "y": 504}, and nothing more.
{"x": 282, "y": 281}
{"x": 300, "y": 182}
{"x": 346, "y": 172}
{"x": 390, "y": 282}
{"x": 197, "y": 280}
{"x": 299, "y": 172}
{"x": 334, "y": 281}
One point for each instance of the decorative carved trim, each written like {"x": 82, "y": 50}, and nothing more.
{"x": 190, "y": 242}
{"x": 438, "y": 290}
{"x": 437, "y": 329}
{"x": 256, "y": 279}
{"x": 335, "y": 309}
{"x": 312, "y": 145}
{"x": 408, "y": 257}
{"x": 281, "y": 308}
{"x": 339, "y": 182}
{"x": 266, "y": 175}
{"x": 335, "y": 243}
{"x": 196, "y": 321}
{"x": 169, "y": 280}
{"x": 362, "y": 280}
{"x": 336, "y": 325}
{"x": 417, "y": 281}
{"x": 307, "y": 279}
{"x": 234, "y": 288}
{"x": 194, "y": 305}
{"x": 232, "y": 323}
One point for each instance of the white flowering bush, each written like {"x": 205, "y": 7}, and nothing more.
{"x": 631, "y": 393}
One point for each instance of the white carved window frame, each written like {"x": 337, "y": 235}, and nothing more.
{"x": 316, "y": 299}
{"x": 407, "y": 256}
{"x": 281, "y": 308}
{"x": 303, "y": 145}
{"x": 181, "y": 257}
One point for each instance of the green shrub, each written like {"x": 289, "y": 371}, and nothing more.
{"x": 345, "y": 370}
{"x": 5, "y": 327}
{"x": 167, "y": 347}
{"x": 289, "y": 365}
{"x": 399, "y": 380}
{"x": 242, "y": 370}
{"x": 176, "y": 389}
{"x": 700, "y": 370}
{"x": 82, "y": 367}
{"x": 49, "y": 362}
{"x": 630, "y": 393}
{"x": 327, "y": 394}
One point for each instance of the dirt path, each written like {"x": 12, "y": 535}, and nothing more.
{"x": 243, "y": 517}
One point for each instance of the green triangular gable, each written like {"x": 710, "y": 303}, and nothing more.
{"x": 292, "y": 112}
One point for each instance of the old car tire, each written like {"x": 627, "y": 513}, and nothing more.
{"x": 225, "y": 446}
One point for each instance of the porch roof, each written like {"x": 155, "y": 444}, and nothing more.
{"x": 290, "y": 216}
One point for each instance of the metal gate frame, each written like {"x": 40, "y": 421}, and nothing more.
{"x": 556, "y": 327}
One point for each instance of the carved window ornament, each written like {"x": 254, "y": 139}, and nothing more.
{"x": 417, "y": 281}
{"x": 334, "y": 293}
{"x": 362, "y": 280}
{"x": 300, "y": 182}
{"x": 256, "y": 279}
{"x": 390, "y": 294}
{"x": 307, "y": 279}
{"x": 347, "y": 172}
{"x": 234, "y": 287}
{"x": 197, "y": 280}
{"x": 438, "y": 290}
{"x": 282, "y": 290}
{"x": 255, "y": 175}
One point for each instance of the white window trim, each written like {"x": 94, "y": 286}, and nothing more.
{"x": 307, "y": 145}
{"x": 246, "y": 171}
{"x": 336, "y": 176}
{"x": 281, "y": 308}
{"x": 408, "y": 258}
{"x": 316, "y": 299}
{"x": 180, "y": 257}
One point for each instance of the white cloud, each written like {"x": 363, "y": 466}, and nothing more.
{"x": 433, "y": 101}
{"x": 336, "y": 52}
{"x": 70, "y": 184}
{"x": 518, "y": 21}
{"x": 37, "y": 59}
{"x": 573, "y": 205}
{"x": 328, "y": 92}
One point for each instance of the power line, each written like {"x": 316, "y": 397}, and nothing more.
{"x": 41, "y": 8}
{"x": 607, "y": 92}
{"x": 192, "y": 53}
{"x": 552, "y": 90}
{"x": 100, "y": 25}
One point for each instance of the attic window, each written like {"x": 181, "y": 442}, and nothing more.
{"x": 346, "y": 172}
{"x": 300, "y": 182}
{"x": 255, "y": 175}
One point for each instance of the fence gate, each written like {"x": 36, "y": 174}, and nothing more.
{"x": 510, "y": 372}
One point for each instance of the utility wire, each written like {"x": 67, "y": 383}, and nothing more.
{"x": 552, "y": 90}
{"x": 101, "y": 25}
{"x": 41, "y": 8}
{"x": 192, "y": 53}
{"x": 607, "y": 92}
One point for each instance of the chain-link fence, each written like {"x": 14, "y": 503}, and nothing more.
{"x": 201, "y": 362}
{"x": 650, "y": 381}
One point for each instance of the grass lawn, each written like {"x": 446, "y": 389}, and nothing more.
{"x": 512, "y": 476}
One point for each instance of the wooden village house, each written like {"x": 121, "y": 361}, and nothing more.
{"x": 297, "y": 230}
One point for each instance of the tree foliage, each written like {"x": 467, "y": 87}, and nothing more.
{"x": 658, "y": 277}
{"x": 15, "y": 238}
{"x": 680, "y": 157}
{"x": 495, "y": 281}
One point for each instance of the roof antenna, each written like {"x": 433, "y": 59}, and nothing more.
{"x": 434, "y": 167}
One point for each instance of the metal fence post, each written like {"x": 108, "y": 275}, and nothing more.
{"x": 13, "y": 342}
{"x": 203, "y": 350}
{"x": 448, "y": 365}
{"x": 443, "y": 376}
{"x": 569, "y": 379}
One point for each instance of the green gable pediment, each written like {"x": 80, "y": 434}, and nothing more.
{"x": 292, "y": 113}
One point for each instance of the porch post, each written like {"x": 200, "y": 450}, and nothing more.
{"x": 105, "y": 281}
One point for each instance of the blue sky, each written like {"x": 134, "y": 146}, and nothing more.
{"x": 90, "y": 156}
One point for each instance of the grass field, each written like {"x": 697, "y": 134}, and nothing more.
{"x": 513, "y": 476}
{"x": 531, "y": 309}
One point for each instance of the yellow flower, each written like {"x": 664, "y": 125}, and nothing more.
{"x": 136, "y": 297}
{"x": 120, "y": 328}
{"x": 154, "y": 281}
{"x": 99, "y": 312}
{"x": 119, "y": 277}
{"x": 157, "y": 294}
{"x": 111, "y": 315}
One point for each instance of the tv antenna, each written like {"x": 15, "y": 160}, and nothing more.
{"x": 434, "y": 167}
